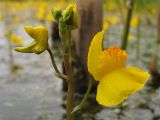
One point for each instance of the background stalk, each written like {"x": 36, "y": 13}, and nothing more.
{"x": 138, "y": 39}
{"x": 127, "y": 25}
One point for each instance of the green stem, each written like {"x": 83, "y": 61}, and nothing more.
{"x": 70, "y": 92}
{"x": 58, "y": 74}
{"x": 65, "y": 35}
{"x": 138, "y": 40}
{"x": 82, "y": 103}
{"x": 127, "y": 25}
{"x": 158, "y": 28}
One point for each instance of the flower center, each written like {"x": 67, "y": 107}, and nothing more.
{"x": 116, "y": 54}
{"x": 110, "y": 59}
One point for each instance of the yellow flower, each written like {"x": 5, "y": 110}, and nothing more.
{"x": 134, "y": 22}
{"x": 116, "y": 81}
{"x": 112, "y": 20}
{"x": 105, "y": 25}
{"x": 41, "y": 14}
{"x": 130, "y": 37}
{"x": 16, "y": 39}
{"x": 1, "y": 17}
{"x": 40, "y": 42}
{"x": 49, "y": 17}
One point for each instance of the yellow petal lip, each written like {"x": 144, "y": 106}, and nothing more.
{"x": 40, "y": 40}
{"x": 101, "y": 62}
{"x": 95, "y": 50}
{"x": 29, "y": 30}
{"x": 109, "y": 60}
{"x": 118, "y": 85}
{"x": 34, "y": 31}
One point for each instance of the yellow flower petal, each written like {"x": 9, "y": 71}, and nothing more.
{"x": 94, "y": 50}
{"x": 105, "y": 25}
{"x": 130, "y": 37}
{"x": 135, "y": 22}
{"x": 40, "y": 42}
{"x": 119, "y": 85}
{"x": 109, "y": 60}
{"x": 112, "y": 20}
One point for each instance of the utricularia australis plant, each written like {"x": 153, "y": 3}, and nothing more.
{"x": 116, "y": 80}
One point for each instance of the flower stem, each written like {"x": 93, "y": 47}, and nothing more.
{"x": 58, "y": 74}
{"x": 127, "y": 25}
{"x": 70, "y": 92}
{"x": 82, "y": 103}
{"x": 138, "y": 40}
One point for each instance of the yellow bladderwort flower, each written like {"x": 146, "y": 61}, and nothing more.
{"x": 1, "y": 17}
{"x": 112, "y": 20}
{"x": 134, "y": 22}
{"x": 116, "y": 81}
{"x": 16, "y": 39}
{"x": 41, "y": 14}
{"x": 40, "y": 42}
{"x": 130, "y": 37}
{"x": 105, "y": 25}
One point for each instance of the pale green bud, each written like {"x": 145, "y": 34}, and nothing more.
{"x": 57, "y": 14}
{"x": 70, "y": 16}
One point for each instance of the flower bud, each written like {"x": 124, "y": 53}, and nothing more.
{"x": 70, "y": 16}
{"x": 57, "y": 14}
{"x": 40, "y": 42}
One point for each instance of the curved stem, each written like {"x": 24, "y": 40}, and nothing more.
{"x": 82, "y": 103}
{"x": 58, "y": 74}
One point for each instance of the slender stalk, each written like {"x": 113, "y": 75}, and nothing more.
{"x": 138, "y": 40}
{"x": 127, "y": 25}
{"x": 158, "y": 28}
{"x": 58, "y": 74}
{"x": 66, "y": 40}
{"x": 82, "y": 103}
{"x": 70, "y": 92}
